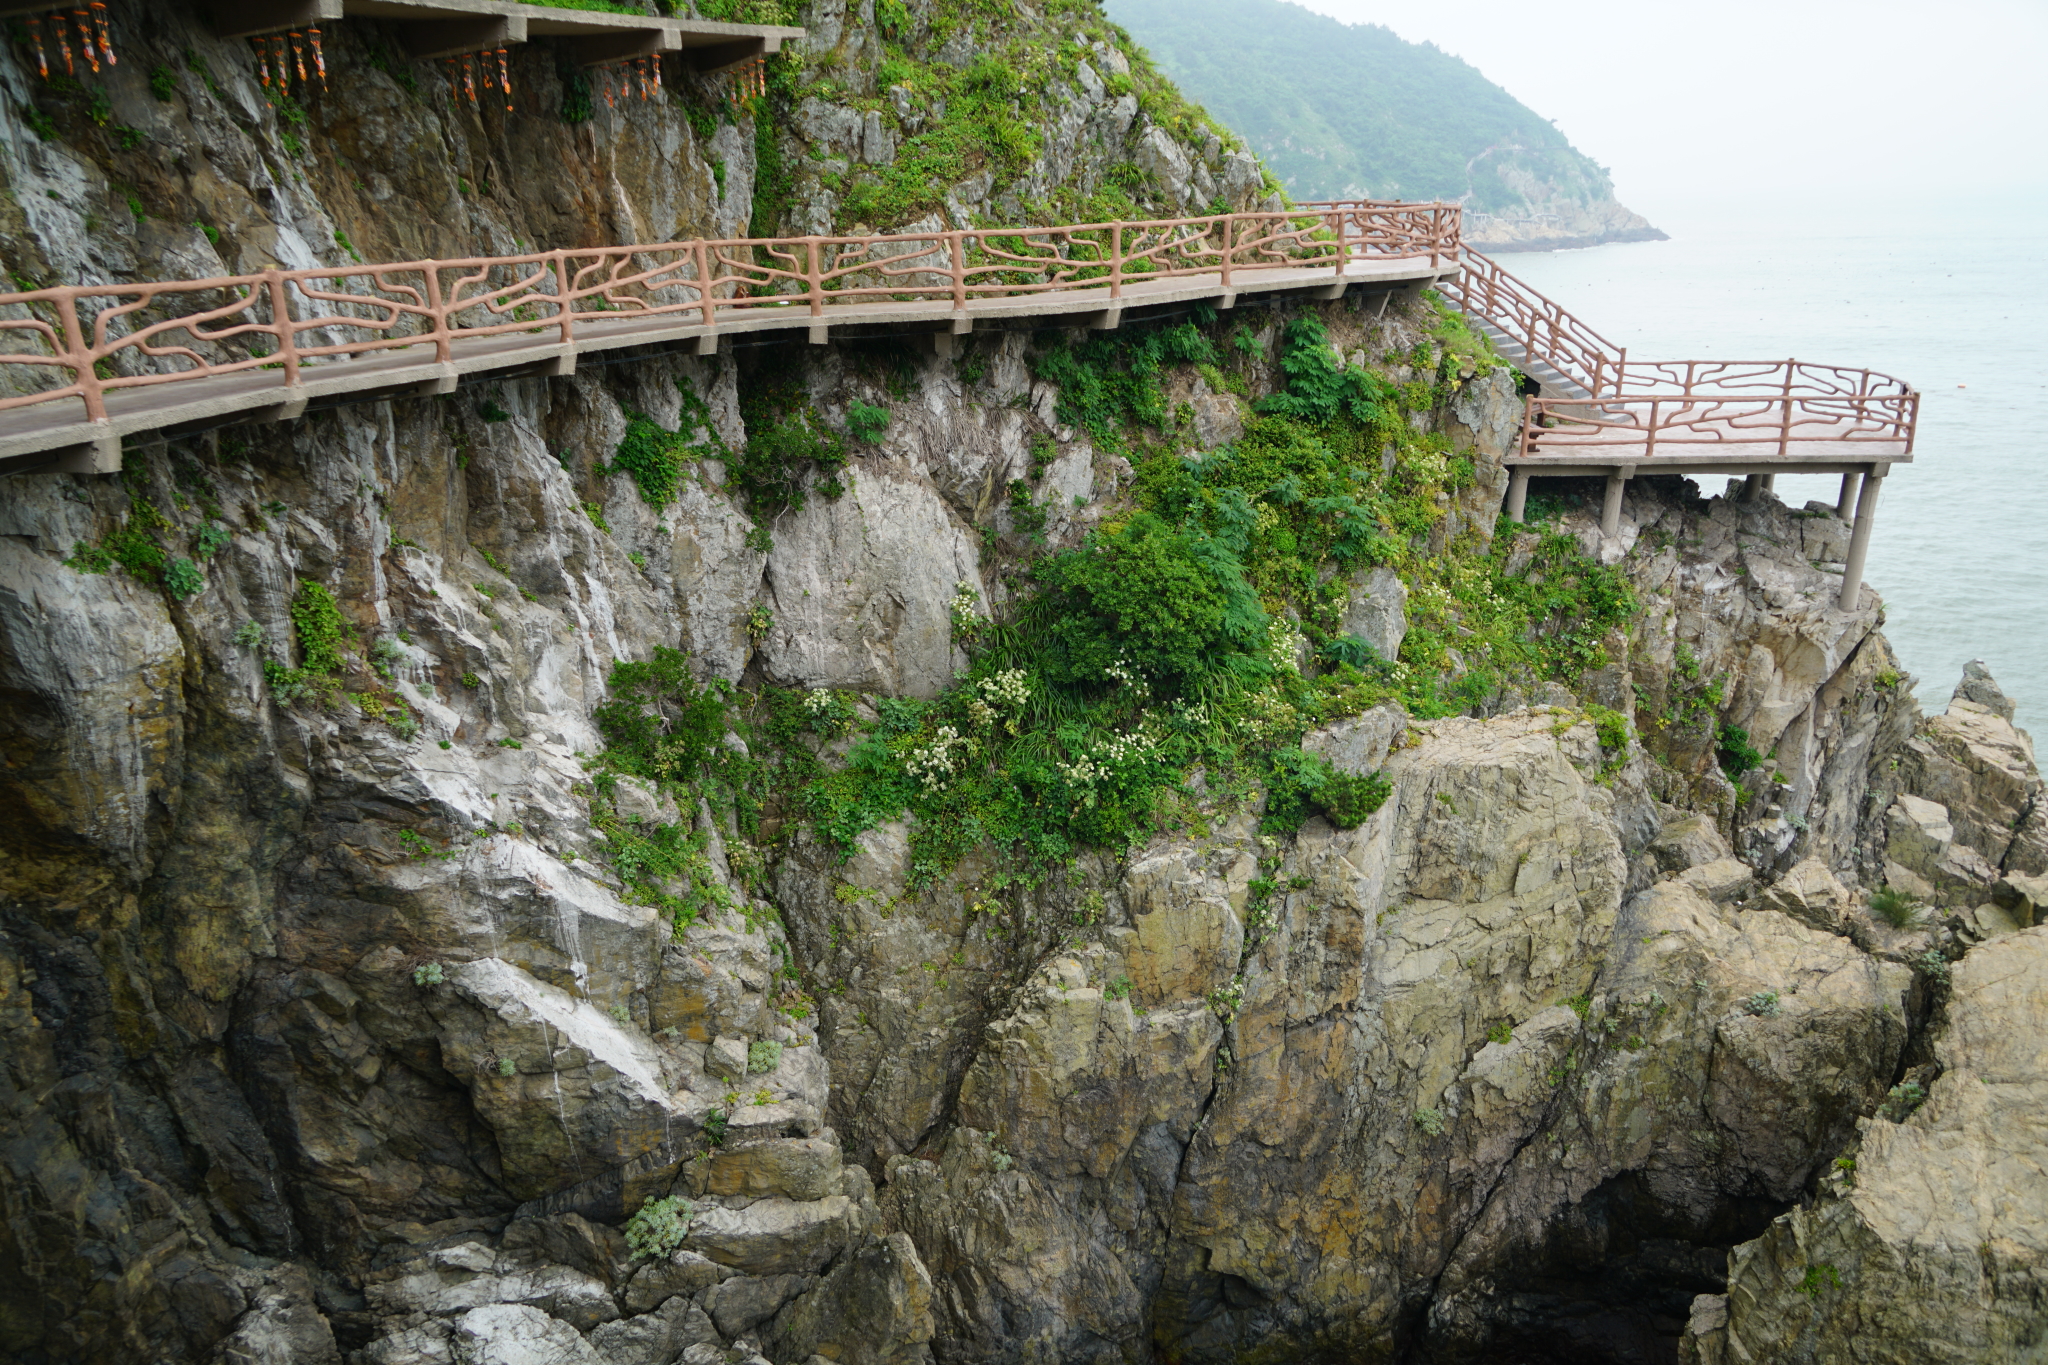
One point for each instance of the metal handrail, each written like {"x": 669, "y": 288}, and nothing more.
{"x": 97, "y": 339}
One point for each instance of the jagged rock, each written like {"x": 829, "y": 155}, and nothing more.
{"x": 1188, "y": 935}
{"x": 459, "y": 1278}
{"x": 585, "y": 1092}
{"x": 572, "y": 1240}
{"x": 1921, "y": 840}
{"x": 1688, "y": 841}
{"x": 1936, "y": 1247}
{"x": 1979, "y": 687}
{"x": 874, "y": 1308}
{"x": 727, "y": 1059}
{"x": 681, "y": 1273}
{"x": 2021, "y": 895}
{"x": 802, "y": 1169}
{"x": 744, "y": 1302}
{"x": 1811, "y": 894}
{"x": 774, "y": 1236}
{"x": 861, "y": 587}
{"x": 1979, "y": 768}
{"x": 655, "y": 1338}
{"x": 1378, "y": 611}
{"x": 513, "y": 1334}
{"x": 1360, "y": 743}
{"x": 1723, "y": 881}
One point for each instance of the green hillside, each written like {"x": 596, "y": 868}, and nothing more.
{"x": 1341, "y": 109}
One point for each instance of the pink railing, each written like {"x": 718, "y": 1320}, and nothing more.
{"x": 90, "y": 340}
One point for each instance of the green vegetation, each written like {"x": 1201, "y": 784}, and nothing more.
{"x": 1819, "y": 1279}
{"x": 1172, "y": 637}
{"x": 1736, "y": 754}
{"x": 1895, "y": 908}
{"x": 659, "y": 1227}
{"x": 1901, "y": 1100}
{"x": 655, "y": 456}
{"x": 1763, "y": 1004}
{"x": 1430, "y": 1121}
{"x": 1340, "y": 110}
{"x": 763, "y": 1056}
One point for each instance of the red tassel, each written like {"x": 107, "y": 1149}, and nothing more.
{"x": 35, "y": 37}
{"x": 63, "y": 43}
{"x": 299, "y": 56}
{"x": 319, "y": 59}
{"x": 505, "y": 78}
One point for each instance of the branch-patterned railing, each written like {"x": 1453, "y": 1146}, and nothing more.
{"x": 92, "y": 340}
{"x": 1685, "y": 406}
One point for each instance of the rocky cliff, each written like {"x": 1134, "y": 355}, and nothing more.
{"x": 1088, "y": 849}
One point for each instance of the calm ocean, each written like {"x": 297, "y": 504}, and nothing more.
{"x": 1960, "y": 553}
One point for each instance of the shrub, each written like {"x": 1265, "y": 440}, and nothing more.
{"x": 1174, "y": 602}
{"x": 1349, "y": 798}
{"x": 428, "y": 974}
{"x": 763, "y": 1056}
{"x": 1430, "y": 1121}
{"x": 1500, "y": 1032}
{"x": 1933, "y": 966}
{"x": 1763, "y": 1004}
{"x": 1895, "y": 908}
{"x": 1736, "y": 754}
{"x": 659, "y": 1228}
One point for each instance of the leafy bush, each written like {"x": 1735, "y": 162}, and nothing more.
{"x": 659, "y": 1227}
{"x": 1932, "y": 965}
{"x": 1763, "y": 1004}
{"x": 1430, "y": 1121}
{"x": 1895, "y": 908}
{"x": 1318, "y": 388}
{"x": 1736, "y": 754}
{"x": 184, "y": 579}
{"x": 1350, "y": 798}
{"x": 1818, "y": 1280}
{"x": 1174, "y": 603}
{"x": 763, "y": 1056}
{"x": 1500, "y": 1032}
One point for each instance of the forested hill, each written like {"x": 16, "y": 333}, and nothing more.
{"x": 1341, "y": 110}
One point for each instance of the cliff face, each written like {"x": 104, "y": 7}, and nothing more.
{"x": 388, "y": 976}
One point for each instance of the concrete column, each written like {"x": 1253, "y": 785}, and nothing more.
{"x": 1859, "y": 539}
{"x": 1610, "y": 511}
{"x": 1770, "y": 483}
{"x": 1518, "y": 492}
{"x": 1750, "y": 487}
{"x": 1846, "y": 504}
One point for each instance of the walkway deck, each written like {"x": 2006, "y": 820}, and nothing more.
{"x": 123, "y": 360}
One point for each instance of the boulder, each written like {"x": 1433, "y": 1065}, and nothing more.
{"x": 513, "y": 1334}
{"x": 874, "y": 1308}
{"x": 744, "y": 1302}
{"x": 1378, "y": 611}
{"x": 774, "y": 1236}
{"x": 1936, "y": 1246}
{"x": 1188, "y": 935}
{"x": 1359, "y": 744}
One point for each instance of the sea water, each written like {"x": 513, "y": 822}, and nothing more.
{"x": 1960, "y": 551}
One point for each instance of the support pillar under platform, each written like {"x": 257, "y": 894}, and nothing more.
{"x": 1846, "y": 503}
{"x": 1859, "y": 539}
{"x": 1610, "y": 509}
{"x": 1518, "y": 493}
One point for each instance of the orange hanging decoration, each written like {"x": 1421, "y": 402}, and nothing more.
{"x": 655, "y": 62}
{"x": 505, "y": 78}
{"x": 99, "y": 15}
{"x": 35, "y": 37}
{"x": 92, "y": 52}
{"x": 299, "y": 55}
{"x": 610, "y": 96}
{"x": 63, "y": 43}
{"x": 469, "y": 78}
{"x": 319, "y": 58}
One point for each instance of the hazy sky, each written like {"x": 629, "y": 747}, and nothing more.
{"x": 1836, "y": 104}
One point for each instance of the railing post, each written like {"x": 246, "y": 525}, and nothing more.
{"x": 1229, "y": 223}
{"x": 1785, "y": 420}
{"x": 281, "y": 318}
{"x": 565, "y": 324}
{"x": 1650, "y": 435}
{"x": 816, "y": 281}
{"x": 79, "y": 357}
{"x": 709, "y": 304}
{"x": 438, "y": 310}
{"x": 959, "y": 252}
{"x": 1116, "y": 260}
